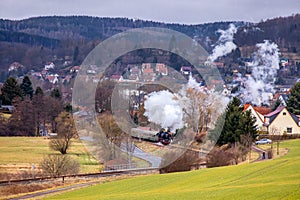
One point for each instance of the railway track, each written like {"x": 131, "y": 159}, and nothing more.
{"x": 150, "y": 170}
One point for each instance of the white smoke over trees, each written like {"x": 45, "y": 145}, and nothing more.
{"x": 193, "y": 106}
{"x": 161, "y": 108}
{"x": 225, "y": 43}
{"x": 260, "y": 85}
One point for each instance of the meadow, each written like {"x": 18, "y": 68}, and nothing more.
{"x": 19, "y": 153}
{"x": 272, "y": 179}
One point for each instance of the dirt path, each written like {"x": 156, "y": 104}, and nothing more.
{"x": 260, "y": 151}
{"x": 56, "y": 190}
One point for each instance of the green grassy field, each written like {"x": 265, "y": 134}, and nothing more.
{"x": 21, "y": 152}
{"x": 272, "y": 179}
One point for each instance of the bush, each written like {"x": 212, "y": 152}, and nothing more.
{"x": 184, "y": 163}
{"x": 59, "y": 165}
{"x": 220, "y": 157}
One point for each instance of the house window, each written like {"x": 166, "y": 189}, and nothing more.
{"x": 284, "y": 113}
{"x": 289, "y": 130}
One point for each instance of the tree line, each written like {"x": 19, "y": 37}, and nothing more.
{"x": 33, "y": 109}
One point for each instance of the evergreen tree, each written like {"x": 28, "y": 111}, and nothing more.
{"x": 26, "y": 87}
{"x": 55, "y": 93}
{"x": 247, "y": 125}
{"x": 235, "y": 124}
{"x": 10, "y": 90}
{"x": 293, "y": 104}
{"x": 229, "y": 133}
{"x": 214, "y": 134}
{"x": 75, "y": 56}
{"x": 38, "y": 91}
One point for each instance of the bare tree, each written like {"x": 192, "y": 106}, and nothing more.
{"x": 246, "y": 142}
{"x": 275, "y": 135}
{"x": 185, "y": 162}
{"x": 65, "y": 132}
{"x": 59, "y": 165}
{"x": 112, "y": 132}
{"x": 219, "y": 156}
{"x": 129, "y": 147}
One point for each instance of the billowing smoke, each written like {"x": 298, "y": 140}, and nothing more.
{"x": 162, "y": 108}
{"x": 193, "y": 104}
{"x": 225, "y": 43}
{"x": 260, "y": 85}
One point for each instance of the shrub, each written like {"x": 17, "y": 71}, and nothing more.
{"x": 59, "y": 165}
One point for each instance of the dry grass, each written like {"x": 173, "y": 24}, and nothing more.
{"x": 19, "y": 153}
{"x": 20, "y": 188}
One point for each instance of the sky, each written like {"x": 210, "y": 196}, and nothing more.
{"x": 174, "y": 11}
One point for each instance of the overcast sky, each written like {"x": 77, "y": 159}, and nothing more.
{"x": 176, "y": 11}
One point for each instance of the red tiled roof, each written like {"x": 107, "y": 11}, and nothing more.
{"x": 145, "y": 128}
{"x": 148, "y": 70}
{"x": 246, "y": 106}
{"x": 262, "y": 110}
{"x": 115, "y": 76}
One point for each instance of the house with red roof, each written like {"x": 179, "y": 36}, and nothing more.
{"x": 52, "y": 79}
{"x": 161, "y": 69}
{"x": 116, "y": 77}
{"x": 74, "y": 69}
{"x": 148, "y": 74}
{"x": 258, "y": 112}
{"x": 282, "y": 121}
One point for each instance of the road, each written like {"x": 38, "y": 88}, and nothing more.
{"x": 139, "y": 153}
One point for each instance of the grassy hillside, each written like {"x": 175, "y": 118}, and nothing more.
{"x": 273, "y": 179}
{"x": 18, "y": 153}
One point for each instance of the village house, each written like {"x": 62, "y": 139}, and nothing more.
{"x": 161, "y": 69}
{"x": 49, "y": 65}
{"x": 258, "y": 113}
{"x": 53, "y": 78}
{"x": 282, "y": 121}
{"x": 186, "y": 70}
{"x": 7, "y": 109}
{"x": 74, "y": 69}
{"x": 115, "y": 77}
{"x": 281, "y": 97}
{"x": 15, "y": 66}
{"x": 148, "y": 72}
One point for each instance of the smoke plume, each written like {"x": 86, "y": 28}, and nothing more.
{"x": 192, "y": 104}
{"x": 260, "y": 85}
{"x": 162, "y": 108}
{"x": 225, "y": 43}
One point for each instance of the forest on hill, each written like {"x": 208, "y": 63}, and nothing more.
{"x": 35, "y": 41}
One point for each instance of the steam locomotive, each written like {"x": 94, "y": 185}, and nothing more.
{"x": 163, "y": 136}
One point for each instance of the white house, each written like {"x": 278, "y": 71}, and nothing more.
{"x": 15, "y": 66}
{"x": 282, "y": 121}
{"x": 258, "y": 113}
{"x": 52, "y": 79}
{"x": 49, "y": 65}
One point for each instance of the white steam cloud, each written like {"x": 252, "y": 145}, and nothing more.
{"x": 162, "y": 108}
{"x": 260, "y": 85}
{"x": 185, "y": 107}
{"x": 225, "y": 43}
